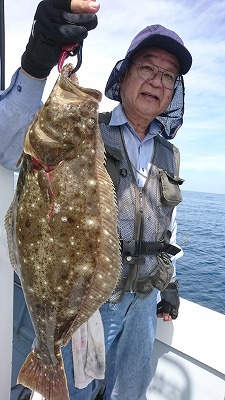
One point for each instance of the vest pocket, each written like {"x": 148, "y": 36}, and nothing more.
{"x": 164, "y": 272}
{"x": 169, "y": 188}
{"x": 159, "y": 278}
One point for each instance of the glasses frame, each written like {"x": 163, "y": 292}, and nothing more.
{"x": 159, "y": 69}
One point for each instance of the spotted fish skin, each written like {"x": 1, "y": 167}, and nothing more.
{"x": 62, "y": 229}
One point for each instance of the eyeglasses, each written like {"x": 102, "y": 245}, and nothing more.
{"x": 149, "y": 71}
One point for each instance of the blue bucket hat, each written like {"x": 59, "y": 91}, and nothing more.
{"x": 163, "y": 38}
{"x": 152, "y": 36}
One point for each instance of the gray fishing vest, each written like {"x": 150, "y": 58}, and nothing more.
{"x": 144, "y": 214}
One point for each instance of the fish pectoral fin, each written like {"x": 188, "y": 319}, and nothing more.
{"x": 47, "y": 379}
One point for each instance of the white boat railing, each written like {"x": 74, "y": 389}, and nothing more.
{"x": 189, "y": 356}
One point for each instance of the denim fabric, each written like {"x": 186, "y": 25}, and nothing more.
{"x": 129, "y": 328}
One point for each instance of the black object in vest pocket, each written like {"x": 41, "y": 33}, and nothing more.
{"x": 170, "y": 190}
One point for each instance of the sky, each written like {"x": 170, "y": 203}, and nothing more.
{"x": 201, "y": 25}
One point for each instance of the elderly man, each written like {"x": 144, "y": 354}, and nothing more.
{"x": 144, "y": 167}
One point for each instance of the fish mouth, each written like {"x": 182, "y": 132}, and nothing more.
{"x": 71, "y": 88}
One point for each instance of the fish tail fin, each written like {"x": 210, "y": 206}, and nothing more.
{"x": 47, "y": 379}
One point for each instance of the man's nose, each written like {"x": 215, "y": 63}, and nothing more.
{"x": 157, "y": 80}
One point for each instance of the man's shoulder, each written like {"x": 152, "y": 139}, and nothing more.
{"x": 164, "y": 142}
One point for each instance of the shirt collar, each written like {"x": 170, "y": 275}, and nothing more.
{"x": 118, "y": 118}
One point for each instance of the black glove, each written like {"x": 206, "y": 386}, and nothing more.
{"x": 54, "y": 26}
{"x": 170, "y": 301}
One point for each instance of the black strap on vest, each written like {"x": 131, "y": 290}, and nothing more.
{"x": 135, "y": 247}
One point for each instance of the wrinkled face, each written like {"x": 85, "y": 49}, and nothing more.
{"x": 146, "y": 99}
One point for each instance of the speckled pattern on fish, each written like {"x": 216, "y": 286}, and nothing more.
{"x": 62, "y": 229}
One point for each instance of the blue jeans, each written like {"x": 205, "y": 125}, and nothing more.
{"x": 129, "y": 329}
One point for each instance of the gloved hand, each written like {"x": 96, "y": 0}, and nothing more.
{"x": 54, "y": 26}
{"x": 170, "y": 301}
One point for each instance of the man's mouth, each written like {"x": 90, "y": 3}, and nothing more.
{"x": 146, "y": 94}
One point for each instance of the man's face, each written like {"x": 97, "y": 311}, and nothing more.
{"x": 146, "y": 99}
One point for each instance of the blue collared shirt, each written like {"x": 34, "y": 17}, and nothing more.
{"x": 139, "y": 151}
{"x": 18, "y": 105}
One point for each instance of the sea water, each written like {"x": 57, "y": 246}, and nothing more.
{"x": 201, "y": 234}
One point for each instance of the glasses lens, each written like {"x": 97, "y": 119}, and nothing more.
{"x": 168, "y": 79}
{"x": 149, "y": 71}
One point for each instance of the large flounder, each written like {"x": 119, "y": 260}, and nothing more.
{"x": 62, "y": 229}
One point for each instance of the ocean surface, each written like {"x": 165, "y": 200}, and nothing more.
{"x": 201, "y": 234}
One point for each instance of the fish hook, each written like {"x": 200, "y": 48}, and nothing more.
{"x": 71, "y": 50}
